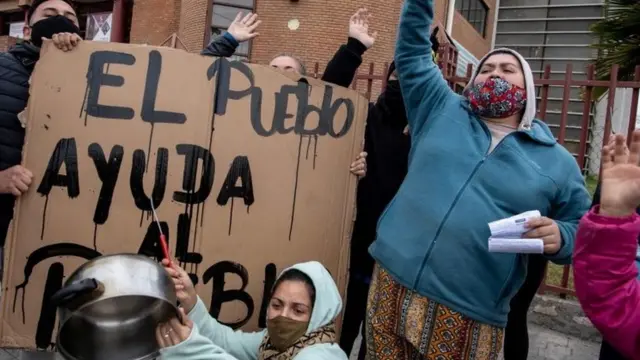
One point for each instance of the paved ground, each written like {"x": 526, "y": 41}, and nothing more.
{"x": 544, "y": 345}
{"x": 550, "y": 345}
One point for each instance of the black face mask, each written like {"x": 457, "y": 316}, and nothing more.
{"x": 391, "y": 104}
{"x": 393, "y": 90}
{"x": 50, "y": 26}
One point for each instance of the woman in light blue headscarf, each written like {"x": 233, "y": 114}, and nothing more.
{"x": 302, "y": 309}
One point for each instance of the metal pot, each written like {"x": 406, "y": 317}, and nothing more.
{"x": 110, "y": 306}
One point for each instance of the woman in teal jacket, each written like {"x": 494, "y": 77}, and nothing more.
{"x": 437, "y": 292}
{"x": 300, "y": 322}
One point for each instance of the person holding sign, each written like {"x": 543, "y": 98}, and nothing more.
{"x": 303, "y": 306}
{"x": 437, "y": 292}
{"x": 47, "y": 19}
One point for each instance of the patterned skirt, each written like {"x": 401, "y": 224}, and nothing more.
{"x": 401, "y": 325}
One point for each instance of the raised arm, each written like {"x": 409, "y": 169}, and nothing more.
{"x": 421, "y": 81}
{"x": 239, "y": 344}
{"x": 345, "y": 63}
{"x": 342, "y": 68}
{"x": 222, "y": 46}
{"x": 241, "y": 29}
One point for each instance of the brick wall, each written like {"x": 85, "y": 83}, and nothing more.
{"x": 6, "y": 42}
{"x": 323, "y": 28}
{"x": 468, "y": 37}
{"x": 195, "y": 23}
{"x": 153, "y": 21}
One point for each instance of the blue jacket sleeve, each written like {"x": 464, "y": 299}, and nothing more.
{"x": 572, "y": 203}
{"x": 224, "y": 45}
{"x": 239, "y": 344}
{"x": 196, "y": 347}
{"x": 421, "y": 81}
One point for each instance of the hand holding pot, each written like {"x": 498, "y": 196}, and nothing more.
{"x": 174, "y": 331}
{"x": 185, "y": 291}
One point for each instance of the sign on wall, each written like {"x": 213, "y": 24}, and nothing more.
{"x": 247, "y": 167}
{"x": 99, "y": 26}
{"x": 16, "y": 30}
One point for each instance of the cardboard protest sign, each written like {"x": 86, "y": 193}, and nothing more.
{"x": 248, "y": 169}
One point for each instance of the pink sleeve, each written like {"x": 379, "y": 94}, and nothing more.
{"x": 605, "y": 278}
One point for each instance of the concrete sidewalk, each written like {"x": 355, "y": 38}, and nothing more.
{"x": 544, "y": 345}
{"x": 547, "y": 344}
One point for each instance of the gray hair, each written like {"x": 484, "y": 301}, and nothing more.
{"x": 303, "y": 69}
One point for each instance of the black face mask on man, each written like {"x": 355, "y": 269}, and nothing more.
{"x": 50, "y": 26}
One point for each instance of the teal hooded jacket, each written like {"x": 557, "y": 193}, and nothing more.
{"x": 210, "y": 340}
{"x": 433, "y": 236}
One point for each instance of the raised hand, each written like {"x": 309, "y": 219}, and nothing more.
{"x": 359, "y": 28}
{"x": 243, "y": 28}
{"x": 185, "y": 291}
{"x": 620, "y": 192}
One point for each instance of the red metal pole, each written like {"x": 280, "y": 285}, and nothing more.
{"x": 634, "y": 107}
{"x": 117, "y": 21}
{"x": 566, "y": 95}
{"x": 586, "y": 117}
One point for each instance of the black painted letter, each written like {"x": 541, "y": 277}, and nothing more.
{"x": 96, "y": 77}
{"x": 151, "y": 244}
{"x": 192, "y": 154}
{"x": 159, "y": 185}
{"x": 269, "y": 280}
{"x": 108, "y": 174}
{"x": 149, "y": 112}
{"x": 220, "y": 296}
{"x": 67, "y": 153}
{"x": 240, "y": 169}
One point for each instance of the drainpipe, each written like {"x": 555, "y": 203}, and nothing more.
{"x": 117, "y": 21}
{"x": 451, "y": 10}
{"x": 495, "y": 24}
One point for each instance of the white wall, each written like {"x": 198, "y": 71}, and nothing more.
{"x": 619, "y": 124}
{"x": 464, "y": 58}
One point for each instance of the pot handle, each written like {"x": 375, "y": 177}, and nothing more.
{"x": 78, "y": 288}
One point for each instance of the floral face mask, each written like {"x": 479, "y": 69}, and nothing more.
{"x": 496, "y": 98}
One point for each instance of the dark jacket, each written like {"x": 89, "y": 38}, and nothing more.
{"x": 388, "y": 152}
{"x": 222, "y": 46}
{"x": 16, "y": 67}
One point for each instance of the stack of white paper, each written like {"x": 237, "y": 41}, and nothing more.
{"x": 506, "y": 235}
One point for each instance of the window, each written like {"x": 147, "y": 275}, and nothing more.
{"x": 84, "y": 11}
{"x": 12, "y": 23}
{"x": 224, "y": 12}
{"x": 475, "y": 11}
